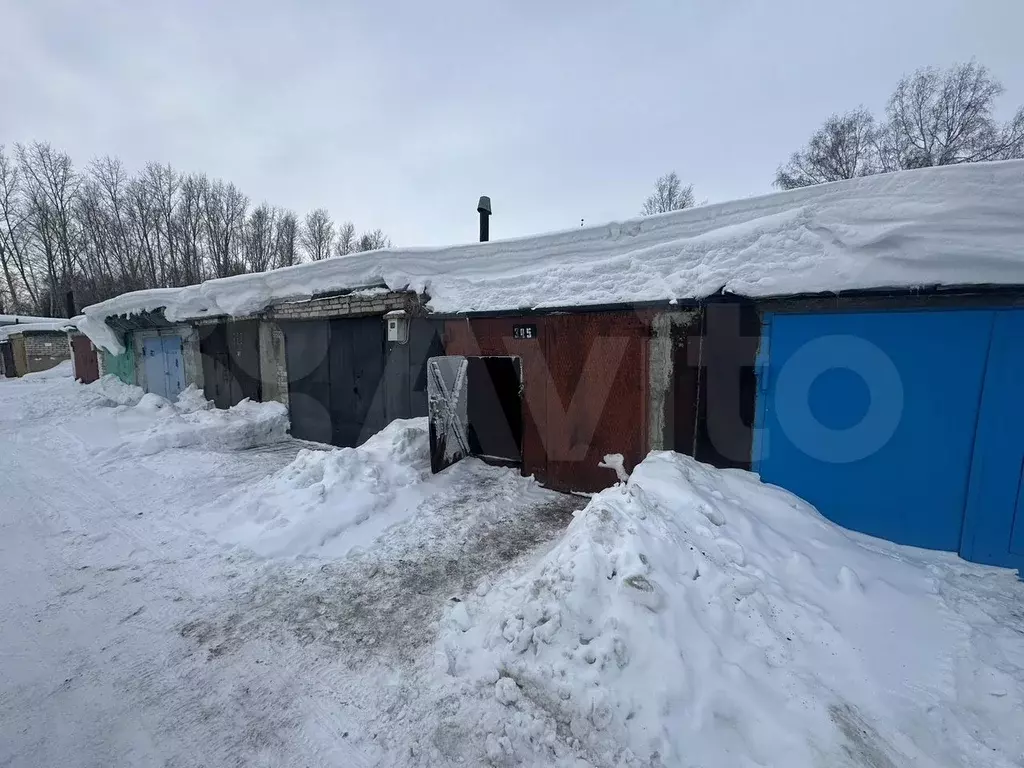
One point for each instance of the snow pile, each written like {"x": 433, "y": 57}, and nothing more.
{"x": 951, "y": 226}
{"x": 192, "y": 422}
{"x": 111, "y": 391}
{"x": 694, "y": 616}
{"x": 328, "y": 502}
{"x": 61, "y": 370}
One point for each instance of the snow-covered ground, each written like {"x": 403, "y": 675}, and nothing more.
{"x": 184, "y": 586}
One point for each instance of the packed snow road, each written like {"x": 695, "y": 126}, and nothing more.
{"x": 189, "y": 587}
{"x": 134, "y": 635}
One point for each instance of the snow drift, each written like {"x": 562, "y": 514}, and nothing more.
{"x": 148, "y": 424}
{"x": 696, "y": 617}
{"x": 61, "y": 370}
{"x": 327, "y": 502}
{"x": 111, "y": 391}
{"x": 950, "y": 226}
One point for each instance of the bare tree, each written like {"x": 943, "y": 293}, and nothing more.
{"x": 98, "y": 278}
{"x": 14, "y": 233}
{"x": 144, "y": 224}
{"x": 105, "y": 231}
{"x": 669, "y": 195}
{"x": 373, "y": 241}
{"x": 346, "y": 242}
{"x": 224, "y": 208}
{"x": 845, "y": 147}
{"x": 944, "y": 118}
{"x": 164, "y": 189}
{"x": 286, "y": 240}
{"x": 259, "y": 238}
{"x": 51, "y": 188}
{"x": 113, "y": 181}
{"x": 317, "y": 234}
{"x": 189, "y": 221}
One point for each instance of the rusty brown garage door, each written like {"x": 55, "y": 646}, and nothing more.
{"x": 584, "y": 388}
{"x": 87, "y": 368}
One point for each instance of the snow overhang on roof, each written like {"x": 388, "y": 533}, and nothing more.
{"x": 952, "y": 226}
{"x": 49, "y": 325}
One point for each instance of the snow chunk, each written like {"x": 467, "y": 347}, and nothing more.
{"x": 617, "y": 462}
{"x": 460, "y": 616}
{"x": 506, "y": 691}
{"x": 116, "y": 392}
{"x": 327, "y": 502}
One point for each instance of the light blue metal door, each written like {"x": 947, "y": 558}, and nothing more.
{"x": 174, "y": 366}
{"x": 871, "y": 417}
{"x": 154, "y": 366}
{"x": 994, "y": 524}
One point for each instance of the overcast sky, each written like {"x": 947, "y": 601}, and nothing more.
{"x": 400, "y": 114}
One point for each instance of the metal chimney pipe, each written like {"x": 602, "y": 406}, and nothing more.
{"x": 69, "y": 303}
{"x": 484, "y": 209}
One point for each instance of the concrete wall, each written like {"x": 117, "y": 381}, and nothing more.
{"x": 666, "y": 328}
{"x": 273, "y": 363}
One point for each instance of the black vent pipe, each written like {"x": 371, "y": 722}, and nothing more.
{"x": 484, "y": 209}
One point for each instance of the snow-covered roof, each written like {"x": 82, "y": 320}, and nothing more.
{"x": 952, "y": 226}
{"x": 42, "y": 324}
{"x": 12, "y": 319}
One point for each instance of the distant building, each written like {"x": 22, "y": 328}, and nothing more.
{"x": 32, "y": 347}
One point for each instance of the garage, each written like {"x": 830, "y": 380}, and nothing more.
{"x": 906, "y": 425}
{"x": 475, "y": 409}
{"x": 231, "y": 362}
{"x": 85, "y": 359}
{"x": 163, "y": 366}
{"x": 7, "y": 360}
{"x": 584, "y": 390}
{"x": 346, "y": 381}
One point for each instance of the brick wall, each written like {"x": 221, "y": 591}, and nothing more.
{"x": 45, "y": 350}
{"x": 348, "y": 305}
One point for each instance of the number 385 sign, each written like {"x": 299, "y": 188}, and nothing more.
{"x": 524, "y": 331}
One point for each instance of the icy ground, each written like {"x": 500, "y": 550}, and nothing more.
{"x": 183, "y": 586}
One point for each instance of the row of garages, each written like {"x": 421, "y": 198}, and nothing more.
{"x": 900, "y": 416}
{"x": 37, "y": 347}
{"x": 34, "y": 347}
{"x": 896, "y": 415}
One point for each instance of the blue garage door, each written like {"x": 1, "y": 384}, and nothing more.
{"x": 994, "y": 524}
{"x": 898, "y": 424}
{"x": 165, "y": 375}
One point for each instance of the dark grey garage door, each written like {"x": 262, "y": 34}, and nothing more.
{"x": 307, "y": 346}
{"x": 346, "y": 382}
